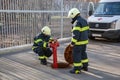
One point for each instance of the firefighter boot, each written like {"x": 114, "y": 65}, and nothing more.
{"x": 43, "y": 61}
{"x": 75, "y": 71}
{"x": 85, "y": 68}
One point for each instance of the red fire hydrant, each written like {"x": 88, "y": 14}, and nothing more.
{"x": 54, "y": 46}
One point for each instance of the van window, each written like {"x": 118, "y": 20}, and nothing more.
{"x": 112, "y": 8}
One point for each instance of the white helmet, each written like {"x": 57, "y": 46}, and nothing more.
{"x": 73, "y": 12}
{"x": 46, "y": 30}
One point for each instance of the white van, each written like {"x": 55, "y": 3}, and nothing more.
{"x": 105, "y": 21}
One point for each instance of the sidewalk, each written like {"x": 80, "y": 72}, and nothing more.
{"x": 15, "y": 65}
{"x": 26, "y": 66}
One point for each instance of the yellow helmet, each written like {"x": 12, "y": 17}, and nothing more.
{"x": 73, "y": 12}
{"x": 46, "y": 30}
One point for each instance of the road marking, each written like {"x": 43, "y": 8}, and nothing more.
{"x": 97, "y": 67}
{"x": 89, "y": 73}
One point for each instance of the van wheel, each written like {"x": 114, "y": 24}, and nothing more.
{"x": 91, "y": 37}
{"x": 118, "y": 39}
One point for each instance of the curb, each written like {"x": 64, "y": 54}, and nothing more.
{"x": 27, "y": 47}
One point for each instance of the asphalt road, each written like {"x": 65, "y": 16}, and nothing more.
{"x": 104, "y": 57}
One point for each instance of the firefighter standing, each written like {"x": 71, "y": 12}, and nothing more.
{"x": 79, "y": 41}
{"x": 41, "y": 45}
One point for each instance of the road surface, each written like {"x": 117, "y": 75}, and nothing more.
{"x": 104, "y": 57}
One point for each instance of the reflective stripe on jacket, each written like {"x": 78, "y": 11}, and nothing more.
{"x": 80, "y": 31}
{"x": 41, "y": 40}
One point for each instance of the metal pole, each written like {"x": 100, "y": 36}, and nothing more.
{"x": 61, "y": 18}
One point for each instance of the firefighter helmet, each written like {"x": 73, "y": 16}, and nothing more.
{"x": 73, "y": 12}
{"x": 46, "y": 30}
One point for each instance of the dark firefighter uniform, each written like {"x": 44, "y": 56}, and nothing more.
{"x": 40, "y": 47}
{"x": 79, "y": 40}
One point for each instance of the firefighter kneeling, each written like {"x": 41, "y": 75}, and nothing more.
{"x": 41, "y": 45}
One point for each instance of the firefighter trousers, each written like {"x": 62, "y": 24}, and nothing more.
{"x": 80, "y": 58}
{"x": 43, "y": 51}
